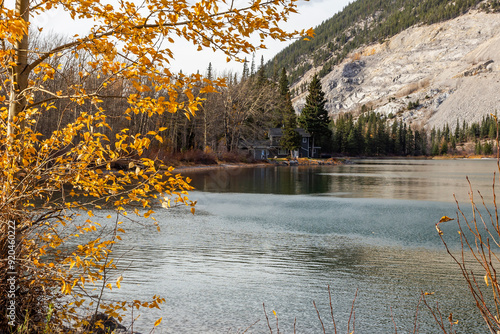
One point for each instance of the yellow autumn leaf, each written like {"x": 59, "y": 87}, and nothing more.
{"x": 486, "y": 280}
{"x": 157, "y": 322}
{"x": 445, "y": 219}
{"x": 75, "y": 153}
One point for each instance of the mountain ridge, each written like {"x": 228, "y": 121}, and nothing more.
{"x": 426, "y": 75}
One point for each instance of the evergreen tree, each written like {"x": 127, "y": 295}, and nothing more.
{"x": 453, "y": 143}
{"x": 435, "y": 148}
{"x": 210, "y": 74}
{"x": 488, "y": 148}
{"x": 284, "y": 89}
{"x": 339, "y": 127}
{"x": 352, "y": 145}
{"x": 261, "y": 74}
{"x": 291, "y": 138}
{"x": 283, "y": 108}
{"x": 463, "y": 133}
{"x": 492, "y": 133}
{"x": 246, "y": 71}
{"x": 314, "y": 117}
{"x": 478, "y": 148}
{"x": 444, "y": 147}
{"x": 252, "y": 66}
{"x": 381, "y": 138}
{"x": 420, "y": 142}
{"x": 457, "y": 131}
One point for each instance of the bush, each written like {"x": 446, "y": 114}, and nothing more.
{"x": 234, "y": 157}
{"x": 198, "y": 157}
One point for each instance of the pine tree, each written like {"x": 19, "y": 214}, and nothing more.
{"x": 444, "y": 147}
{"x": 261, "y": 74}
{"x": 381, "y": 138}
{"x": 291, "y": 138}
{"x": 314, "y": 117}
{"x": 283, "y": 84}
{"x": 435, "y": 148}
{"x": 246, "y": 71}
{"x": 210, "y": 74}
{"x": 352, "y": 145}
{"x": 252, "y": 66}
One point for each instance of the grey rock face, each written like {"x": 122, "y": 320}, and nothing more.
{"x": 351, "y": 70}
{"x": 452, "y": 70}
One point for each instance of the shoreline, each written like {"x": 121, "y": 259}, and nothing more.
{"x": 315, "y": 162}
{"x": 269, "y": 163}
{"x": 201, "y": 168}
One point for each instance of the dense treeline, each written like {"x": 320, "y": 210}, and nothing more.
{"x": 243, "y": 109}
{"x": 372, "y": 134}
{"x": 363, "y": 22}
{"x": 482, "y": 134}
{"x": 242, "y": 112}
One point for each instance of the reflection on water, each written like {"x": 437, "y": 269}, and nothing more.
{"x": 428, "y": 180}
{"x": 368, "y": 227}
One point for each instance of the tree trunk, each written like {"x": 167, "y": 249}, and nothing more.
{"x": 205, "y": 121}
{"x": 19, "y": 76}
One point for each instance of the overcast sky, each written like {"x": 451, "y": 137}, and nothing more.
{"x": 187, "y": 59}
{"x": 311, "y": 14}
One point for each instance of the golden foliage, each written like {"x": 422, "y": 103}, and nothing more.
{"x": 49, "y": 182}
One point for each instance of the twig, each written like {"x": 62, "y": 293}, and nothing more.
{"x": 277, "y": 326}
{"x": 319, "y": 317}
{"x": 439, "y": 320}
{"x": 250, "y": 326}
{"x": 415, "y": 326}
{"x": 351, "y": 315}
{"x": 394, "y": 322}
{"x": 331, "y": 311}
{"x": 267, "y": 319}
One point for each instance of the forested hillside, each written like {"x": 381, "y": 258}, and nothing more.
{"x": 243, "y": 109}
{"x": 363, "y": 22}
{"x": 249, "y": 104}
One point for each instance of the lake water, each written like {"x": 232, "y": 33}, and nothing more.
{"x": 282, "y": 235}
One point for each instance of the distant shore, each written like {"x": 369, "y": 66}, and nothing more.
{"x": 314, "y": 162}
{"x": 268, "y": 163}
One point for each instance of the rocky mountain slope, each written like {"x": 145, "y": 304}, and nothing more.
{"x": 426, "y": 75}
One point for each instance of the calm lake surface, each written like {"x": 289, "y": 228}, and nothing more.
{"x": 282, "y": 235}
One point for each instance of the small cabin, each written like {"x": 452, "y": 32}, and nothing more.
{"x": 264, "y": 149}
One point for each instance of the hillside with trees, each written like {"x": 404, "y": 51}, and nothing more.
{"x": 424, "y": 64}
{"x": 362, "y": 23}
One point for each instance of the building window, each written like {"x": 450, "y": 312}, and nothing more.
{"x": 282, "y": 151}
{"x": 304, "y": 140}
